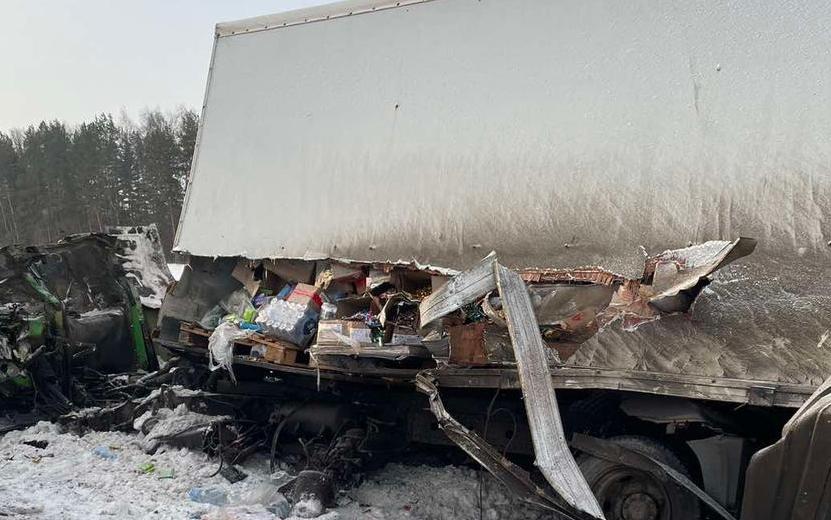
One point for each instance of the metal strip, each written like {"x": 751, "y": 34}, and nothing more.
{"x": 553, "y": 456}
{"x": 308, "y": 15}
{"x": 515, "y": 478}
{"x": 460, "y": 290}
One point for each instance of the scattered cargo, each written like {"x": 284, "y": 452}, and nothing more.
{"x": 621, "y": 284}
{"x": 627, "y": 352}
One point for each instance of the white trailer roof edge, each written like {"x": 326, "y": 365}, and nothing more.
{"x": 196, "y": 151}
{"x": 308, "y": 15}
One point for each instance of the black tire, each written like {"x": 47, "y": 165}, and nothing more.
{"x": 627, "y": 493}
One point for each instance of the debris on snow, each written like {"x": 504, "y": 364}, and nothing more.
{"x": 74, "y": 484}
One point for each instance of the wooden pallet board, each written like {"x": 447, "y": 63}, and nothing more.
{"x": 193, "y": 335}
{"x": 268, "y": 349}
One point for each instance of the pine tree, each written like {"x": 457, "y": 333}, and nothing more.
{"x": 56, "y": 181}
{"x": 9, "y": 172}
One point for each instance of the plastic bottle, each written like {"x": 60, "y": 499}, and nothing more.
{"x": 104, "y": 452}
{"x": 209, "y": 495}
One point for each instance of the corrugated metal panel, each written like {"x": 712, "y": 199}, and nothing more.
{"x": 558, "y": 134}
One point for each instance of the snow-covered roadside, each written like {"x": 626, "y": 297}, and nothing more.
{"x": 68, "y": 480}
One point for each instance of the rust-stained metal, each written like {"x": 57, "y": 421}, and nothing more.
{"x": 593, "y": 275}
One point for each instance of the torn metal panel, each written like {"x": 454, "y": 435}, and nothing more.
{"x": 791, "y": 479}
{"x": 569, "y": 313}
{"x": 614, "y": 452}
{"x": 354, "y": 348}
{"x": 576, "y": 308}
{"x": 675, "y": 271}
{"x": 574, "y": 305}
{"x": 142, "y": 257}
{"x": 460, "y": 290}
{"x": 553, "y": 456}
{"x": 511, "y": 475}
{"x": 555, "y": 303}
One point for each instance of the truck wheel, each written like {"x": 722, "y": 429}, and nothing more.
{"x": 627, "y": 493}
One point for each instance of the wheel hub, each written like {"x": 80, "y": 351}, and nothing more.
{"x": 639, "y": 506}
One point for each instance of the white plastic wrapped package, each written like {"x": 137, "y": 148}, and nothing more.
{"x": 221, "y": 347}
{"x": 288, "y": 321}
{"x": 238, "y": 302}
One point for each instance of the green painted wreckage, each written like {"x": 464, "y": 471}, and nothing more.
{"x": 70, "y": 316}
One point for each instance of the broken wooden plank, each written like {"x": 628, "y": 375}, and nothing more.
{"x": 553, "y": 455}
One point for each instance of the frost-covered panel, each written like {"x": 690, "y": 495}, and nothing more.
{"x": 142, "y": 257}
{"x": 557, "y": 134}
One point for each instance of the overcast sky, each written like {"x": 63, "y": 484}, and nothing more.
{"x": 72, "y": 59}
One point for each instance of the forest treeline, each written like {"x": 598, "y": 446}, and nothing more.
{"x": 56, "y": 180}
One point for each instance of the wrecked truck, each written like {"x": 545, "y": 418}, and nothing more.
{"x": 70, "y": 321}
{"x": 356, "y": 162}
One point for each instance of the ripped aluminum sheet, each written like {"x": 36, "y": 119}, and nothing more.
{"x": 142, "y": 257}
{"x": 552, "y": 454}
{"x": 574, "y": 306}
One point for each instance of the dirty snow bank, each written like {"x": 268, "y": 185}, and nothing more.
{"x": 105, "y": 475}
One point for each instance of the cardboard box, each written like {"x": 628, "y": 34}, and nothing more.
{"x": 342, "y": 332}
{"x": 291, "y": 270}
{"x": 467, "y": 344}
{"x": 347, "y": 307}
{"x": 306, "y": 295}
{"x": 406, "y": 339}
{"x": 285, "y": 354}
{"x": 244, "y": 274}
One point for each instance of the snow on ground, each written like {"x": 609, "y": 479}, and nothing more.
{"x": 106, "y": 475}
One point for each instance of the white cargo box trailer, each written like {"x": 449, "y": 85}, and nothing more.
{"x": 559, "y": 135}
